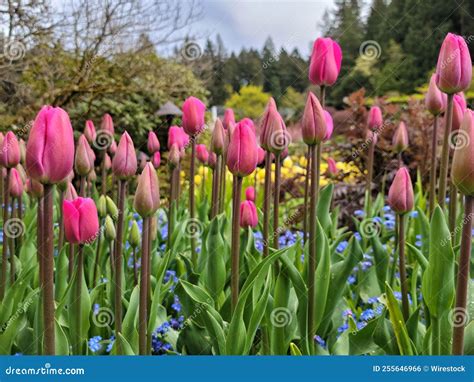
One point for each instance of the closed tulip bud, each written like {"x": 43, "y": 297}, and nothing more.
{"x": 109, "y": 229}
{"x": 375, "y": 120}
{"x": 83, "y": 163}
{"x": 102, "y": 206}
{"x": 107, "y": 162}
{"x": 242, "y": 152}
{"x": 435, "y": 100}
{"x": 211, "y": 162}
{"x": 193, "y": 116}
{"x": 147, "y": 195}
{"x": 2, "y": 137}
{"x": 34, "y": 188}
{"x": 274, "y": 136}
{"x": 371, "y": 136}
{"x": 400, "y": 138}
{"x": 89, "y": 131}
{"x": 325, "y": 62}
{"x": 202, "y": 154}
{"x": 113, "y": 148}
{"x": 314, "y": 121}
{"x": 459, "y": 108}
{"x": 454, "y": 68}
{"x": 332, "y": 168}
{"x": 10, "y": 151}
{"x": 22, "y": 145}
{"x": 107, "y": 124}
{"x": 70, "y": 193}
{"x": 16, "y": 184}
{"x": 229, "y": 119}
{"x": 400, "y": 195}
{"x": 135, "y": 238}
{"x": 176, "y": 136}
{"x": 124, "y": 164}
{"x": 174, "y": 156}
{"x": 218, "y": 138}
{"x": 50, "y": 147}
{"x": 153, "y": 143}
{"x": 81, "y": 224}
{"x": 142, "y": 160}
{"x": 250, "y": 194}
{"x": 329, "y": 125}
{"x": 112, "y": 209}
{"x": 156, "y": 159}
{"x": 21, "y": 172}
{"x": 248, "y": 214}
{"x": 92, "y": 177}
{"x": 462, "y": 170}
{"x": 260, "y": 155}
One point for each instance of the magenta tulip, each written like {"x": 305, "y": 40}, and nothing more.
{"x": 218, "y": 138}
{"x": 329, "y": 125}
{"x": 153, "y": 143}
{"x": 147, "y": 195}
{"x": 400, "y": 138}
{"x": 454, "y": 68}
{"x": 314, "y": 121}
{"x": 229, "y": 119}
{"x": 89, "y": 131}
{"x": 156, "y": 159}
{"x": 248, "y": 214}
{"x": 16, "y": 184}
{"x": 81, "y": 222}
{"x": 260, "y": 155}
{"x": 374, "y": 119}
{"x": 176, "y": 135}
{"x": 435, "y": 99}
{"x": 332, "y": 168}
{"x": 10, "y": 151}
{"x": 400, "y": 195}
{"x": 124, "y": 164}
{"x": 250, "y": 194}
{"x": 193, "y": 116}
{"x": 202, "y": 154}
{"x": 325, "y": 62}
{"x": 50, "y": 148}
{"x": 242, "y": 152}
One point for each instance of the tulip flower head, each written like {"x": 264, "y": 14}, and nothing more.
{"x": 375, "y": 120}
{"x": 435, "y": 99}
{"x": 81, "y": 223}
{"x": 229, "y": 119}
{"x": 248, "y": 214}
{"x": 462, "y": 171}
{"x": 112, "y": 147}
{"x": 400, "y": 195}
{"x": 107, "y": 124}
{"x": 218, "y": 138}
{"x": 260, "y": 155}
{"x": 147, "y": 195}
{"x": 314, "y": 121}
{"x": 274, "y": 136}
{"x": 176, "y": 135}
{"x": 332, "y": 168}
{"x": 454, "y": 68}
{"x": 50, "y": 147}
{"x": 211, "y": 162}
{"x": 329, "y": 125}
{"x": 34, "y": 188}
{"x": 89, "y": 131}
{"x": 10, "y": 151}
{"x": 107, "y": 162}
{"x": 174, "y": 156}
{"x": 156, "y": 159}
{"x": 325, "y": 62}
{"x": 153, "y": 143}
{"x": 193, "y": 116}
{"x": 84, "y": 161}
{"x": 400, "y": 138}
{"x": 202, "y": 154}
{"x": 242, "y": 154}
{"x": 124, "y": 164}
{"x": 71, "y": 193}
{"x": 459, "y": 108}
{"x": 250, "y": 194}
{"x": 16, "y": 184}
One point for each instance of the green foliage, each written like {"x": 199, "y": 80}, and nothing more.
{"x": 250, "y": 102}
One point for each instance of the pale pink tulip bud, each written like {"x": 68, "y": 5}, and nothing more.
{"x": 124, "y": 164}
{"x": 332, "y": 168}
{"x": 274, "y": 136}
{"x": 70, "y": 193}
{"x": 22, "y": 145}
{"x": 329, "y": 125}
{"x": 325, "y": 62}
{"x": 34, "y": 188}
{"x": 174, "y": 156}
{"x": 153, "y": 143}
{"x": 462, "y": 171}
{"x": 218, "y": 138}
{"x": 107, "y": 124}
{"x": 107, "y": 162}
{"x": 314, "y": 121}
{"x": 400, "y": 138}
{"x": 202, "y": 154}
{"x": 229, "y": 119}
{"x": 400, "y": 195}
{"x": 459, "y": 108}
{"x": 89, "y": 131}
{"x": 113, "y": 148}
{"x": 147, "y": 195}
{"x": 193, "y": 116}
{"x": 84, "y": 162}
{"x": 10, "y": 151}
{"x": 435, "y": 99}
{"x": 16, "y": 184}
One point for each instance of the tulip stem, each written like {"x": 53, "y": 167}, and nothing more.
{"x": 370, "y": 171}
{"x": 463, "y": 278}
{"x": 39, "y": 239}
{"x": 122, "y": 187}
{"x": 191, "y": 198}
{"x": 443, "y": 171}
{"x": 77, "y": 348}
{"x": 83, "y": 186}
{"x": 222, "y": 187}
{"x": 104, "y": 174}
{"x": 235, "y": 245}
{"x": 143, "y": 308}
{"x": 71, "y": 261}
{"x": 135, "y": 270}
{"x": 306, "y": 195}
{"x": 266, "y": 202}
{"x": 453, "y": 210}
{"x": 6, "y": 201}
{"x": 61, "y": 221}
{"x": 172, "y": 203}
{"x": 48, "y": 270}
{"x": 97, "y": 259}
{"x": 401, "y": 259}
{"x": 12, "y": 246}
{"x": 434, "y": 161}
{"x": 215, "y": 186}
{"x": 276, "y": 202}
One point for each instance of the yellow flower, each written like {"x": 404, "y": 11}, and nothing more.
{"x": 285, "y": 172}
{"x": 182, "y": 174}
{"x": 302, "y": 161}
{"x": 197, "y": 180}
{"x": 287, "y": 162}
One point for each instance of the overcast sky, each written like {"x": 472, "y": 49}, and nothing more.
{"x": 247, "y": 23}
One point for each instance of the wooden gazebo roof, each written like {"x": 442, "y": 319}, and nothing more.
{"x": 169, "y": 108}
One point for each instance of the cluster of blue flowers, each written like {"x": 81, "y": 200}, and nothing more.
{"x": 286, "y": 239}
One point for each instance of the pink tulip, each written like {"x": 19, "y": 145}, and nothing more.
{"x": 193, "y": 116}
{"x": 459, "y": 108}
{"x": 250, "y": 194}
{"x": 174, "y": 156}
{"x": 400, "y": 195}
{"x": 156, "y": 159}
{"x": 218, "y": 138}
{"x": 202, "y": 154}
{"x": 274, "y": 136}
{"x": 113, "y": 148}
{"x": 400, "y": 138}
{"x": 10, "y": 151}
{"x": 81, "y": 223}
{"x": 50, "y": 148}
{"x": 242, "y": 152}
{"x": 107, "y": 162}
{"x": 211, "y": 162}
{"x": 332, "y": 168}
{"x": 84, "y": 162}
{"x": 260, "y": 155}
{"x": 89, "y": 131}
{"x": 329, "y": 125}
{"x": 375, "y": 120}
{"x": 463, "y": 169}
{"x": 153, "y": 143}
{"x": 176, "y": 135}
{"x": 34, "y": 188}
{"x": 454, "y": 68}
{"x": 371, "y": 136}
{"x": 2, "y": 137}
{"x": 325, "y": 62}
{"x": 16, "y": 184}
{"x": 248, "y": 214}
{"x": 435, "y": 100}
{"x": 314, "y": 121}
{"x": 124, "y": 164}
{"x": 147, "y": 195}
{"x": 229, "y": 119}
{"x": 70, "y": 193}
{"x": 107, "y": 124}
